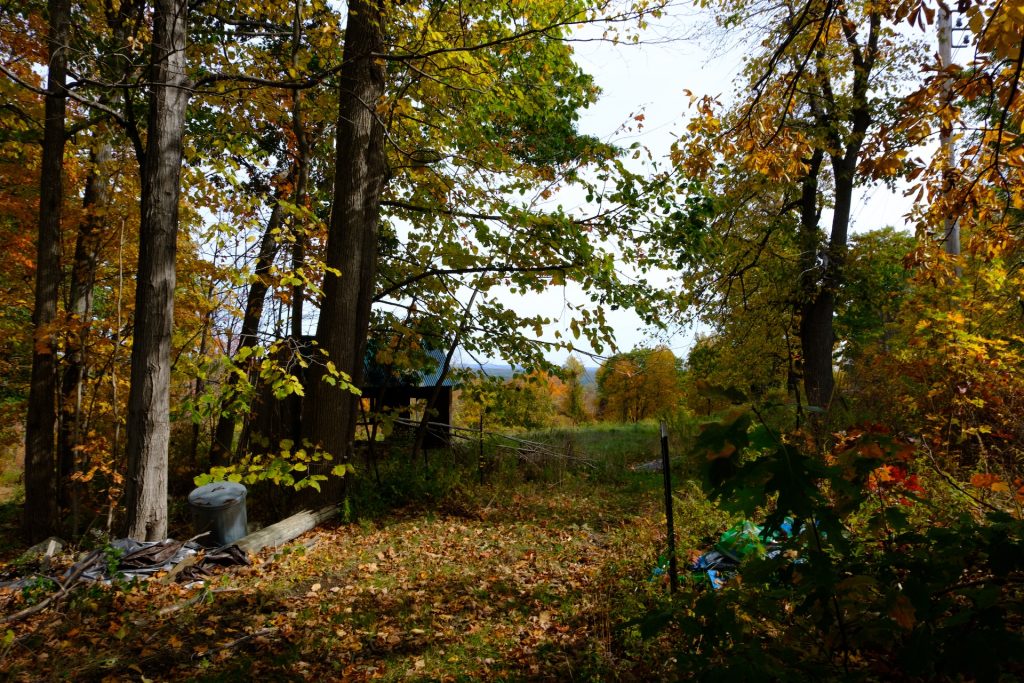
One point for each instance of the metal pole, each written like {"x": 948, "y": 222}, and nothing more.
{"x": 673, "y": 570}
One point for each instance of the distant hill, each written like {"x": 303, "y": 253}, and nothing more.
{"x": 506, "y": 371}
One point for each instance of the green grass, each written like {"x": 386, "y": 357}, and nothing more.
{"x": 11, "y": 486}
{"x": 12, "y": 496}
{"x": 611, "y": 443}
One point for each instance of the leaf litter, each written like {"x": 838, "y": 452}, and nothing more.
{"x": 531, "y": 587}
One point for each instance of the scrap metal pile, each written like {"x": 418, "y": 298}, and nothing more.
{"x": 121, "y": 560}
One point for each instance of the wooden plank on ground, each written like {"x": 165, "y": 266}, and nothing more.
{"x": 287, "y": 529}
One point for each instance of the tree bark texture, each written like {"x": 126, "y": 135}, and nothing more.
{"x": 361, "y": 174}
{"x": 149, "y": 396}
{"x": 811, "y": 281}
{"x": 286, "y": 530}
{"x": 817, "y": 333}
{"x": 40, "y": 453}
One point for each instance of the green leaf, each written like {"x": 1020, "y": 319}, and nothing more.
{"x": 726, "y": 437}
{"x": 713, "y": 391}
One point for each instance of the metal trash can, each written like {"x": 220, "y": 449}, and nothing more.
{"x": 220, "y": 509}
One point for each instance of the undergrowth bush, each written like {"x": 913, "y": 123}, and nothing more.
{"x": 889, "y": 573}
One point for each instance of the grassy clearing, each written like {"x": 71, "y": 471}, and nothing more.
{"x": 610, "y": 443}
{"x": 12, "y": 487}
{"x": 11, "y": 466}
{"x": 514, "y": 580}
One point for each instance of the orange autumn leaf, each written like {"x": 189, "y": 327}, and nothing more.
{"x": 883, "y": 474}
{"x": 986, "y": 481}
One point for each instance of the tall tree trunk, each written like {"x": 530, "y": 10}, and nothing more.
{"x": 812, "y": 337}
{"x": 301, "y": 236}
{"x": 816, "y": 342}
{"x": 329, "y": 417}
{"x": 83, "y": 280}
{"x": 149, "y": 396}
{"x": 200, "y": 383}
{"x": 40, "y": 455}
{"x": 298, "y": 290}
{"x": 223, "y": 440}
{"x": 114, "y": 66}
{"x": 817, "y": 334}
{"x": 301, "y": 182}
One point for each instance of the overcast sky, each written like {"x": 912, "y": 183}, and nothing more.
{"x": 649, "y": 78}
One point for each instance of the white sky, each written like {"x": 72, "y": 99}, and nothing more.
{"x": 649, "y": 78}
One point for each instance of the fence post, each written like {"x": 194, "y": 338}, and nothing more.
{"x": 666, "y": 471}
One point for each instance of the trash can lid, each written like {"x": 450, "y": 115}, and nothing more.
{"x": 218, "y": 495}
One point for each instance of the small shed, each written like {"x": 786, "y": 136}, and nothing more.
{"x": 389, "y": 390}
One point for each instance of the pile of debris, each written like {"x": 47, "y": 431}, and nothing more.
{"x": 128, "y": 560}
{"x": 184, "y": 562}
{"x": 124, "y": 559}
{"x": 742, "y": 540}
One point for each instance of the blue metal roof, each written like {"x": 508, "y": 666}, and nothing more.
{"x": 377, "y": 375}
{"x": 429, "y": 379}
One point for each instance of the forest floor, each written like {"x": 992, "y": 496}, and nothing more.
{"x": 528, "y": 581}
